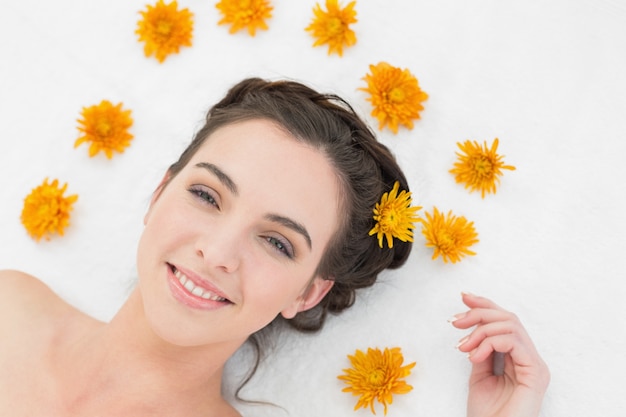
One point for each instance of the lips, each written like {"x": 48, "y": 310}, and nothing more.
{"x": 194, "y": 291}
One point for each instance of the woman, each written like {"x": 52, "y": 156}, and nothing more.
{"x": 264, "y": 218}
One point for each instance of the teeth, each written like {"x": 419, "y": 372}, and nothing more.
{"x": 194, "y": 289}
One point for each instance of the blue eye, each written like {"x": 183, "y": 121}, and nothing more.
{"x": 281, "y": 246}
{"x": 204, "y": 195}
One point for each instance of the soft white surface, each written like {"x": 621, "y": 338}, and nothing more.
{"x": 547, "y": 78}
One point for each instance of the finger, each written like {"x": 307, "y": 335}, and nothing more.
{"x": 475, "y": 338}
{"x": 521, "y": 351}
{"x": 495, "y": 365}
{"x": 478, "y": 316}
{"x": 521, "y": 360}
{"x": 475, "y": 301}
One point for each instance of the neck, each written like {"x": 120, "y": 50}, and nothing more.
{"x": 125, "y": 365}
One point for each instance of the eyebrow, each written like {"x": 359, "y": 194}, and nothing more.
{"x": 276, "y": 218}
{"x": 291, "y": 224}
{"x": 221, "y": 176}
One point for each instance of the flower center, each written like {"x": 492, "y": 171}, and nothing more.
{"x": 376, "y": 377}
{"x": 48, "y": 209}
{"x": 397, "y": 95}
{"x": 391, "y": 218}
{"x": 164, "y": 28}
{"x": 103, "y": 128}
{"x": 334, "y": 26}
{"x": 245, "y": 13}
{"x": 446, "y": 242}
{"x": 483, "y": 167}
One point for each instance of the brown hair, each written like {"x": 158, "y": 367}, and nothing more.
{"x": 366, "y": 169}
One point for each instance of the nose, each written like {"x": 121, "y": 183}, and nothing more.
{"x": 220, "y": 249}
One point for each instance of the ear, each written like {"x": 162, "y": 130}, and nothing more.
{"x": 155, "y": 195}
{"x": 312, "y": 295}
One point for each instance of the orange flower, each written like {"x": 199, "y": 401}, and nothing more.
{"x": 332, "y": 27}
{"x": 479, "y": 168}
{"x": 164, "y": 29}
{"x": 106, "y": 127}
{"x": 240, "y": 14}
{"x": 395, "y": 95}
{"x": 394, "y": 217}
{"x": 450, "y": 236}
{"x": 376, "y": 376}
{"x": 46, "y": 211}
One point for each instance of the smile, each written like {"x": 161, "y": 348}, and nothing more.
{"x": 194, "y": 289}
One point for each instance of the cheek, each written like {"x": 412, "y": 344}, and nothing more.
{"x": 167, "y": 222}
{"x": 161, "y": 236}
{"x": 273, "y": 289}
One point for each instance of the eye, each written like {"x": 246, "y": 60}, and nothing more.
{"x": 283, "y": 246}
{"x": 204, "y": 194}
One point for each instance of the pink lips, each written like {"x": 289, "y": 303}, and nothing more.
{"x": 181, "y": 294}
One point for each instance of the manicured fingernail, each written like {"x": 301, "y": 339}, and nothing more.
{"x": 463, "y": 293}
{"x": 456, "y": 317}
{"x": 465, "y": 339}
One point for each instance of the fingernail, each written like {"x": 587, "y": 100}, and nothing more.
{"x": 461, "y": 342}
{"x": 463, "y": 293}
{"x": 456, "y": 317}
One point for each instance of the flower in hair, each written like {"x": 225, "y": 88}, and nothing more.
{"x": 376, "y": 376}
{"x": 395, "y": 95}
{"x": 450, "y": 236}
{"x": 394, "y": 217}
{"x": 248, "y": 14}
{"x": 46, "y": 210}
{"x": 479, "y": 167}
{"x": 105, "y": 126}
{"x": 164, "y": 29}
{"x": 332, "y": 26}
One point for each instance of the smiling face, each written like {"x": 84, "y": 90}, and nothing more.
{"x": 235, "y": 238}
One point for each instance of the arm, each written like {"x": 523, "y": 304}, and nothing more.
{"x": 514, "y": 388}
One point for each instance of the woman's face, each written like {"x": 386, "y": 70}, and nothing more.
{"x": 235, "y": 238}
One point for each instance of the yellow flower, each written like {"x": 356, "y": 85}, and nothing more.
{"x": 164, "y": 29}
{"x": 333, "y": 26}
{"x": 395, "y": 95}
{"x": 46, "y": 211}
{"x": 106, "y": 127}
{"x": 479, "y": 167}
{"x": 240, "y": 14}
{"x": 394, "y": 217}
{"x": 449, "y": 235}
{"x": 376, "y": 376}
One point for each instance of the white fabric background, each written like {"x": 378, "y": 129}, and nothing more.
{"x": 547, "y": 78}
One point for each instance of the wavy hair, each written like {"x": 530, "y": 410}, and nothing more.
{"x": 366, "y": 169}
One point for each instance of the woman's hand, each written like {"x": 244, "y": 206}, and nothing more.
{"x": 508, "y": 377}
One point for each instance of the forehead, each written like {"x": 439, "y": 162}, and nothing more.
{"x": 265, "y": 136}
{"x": 276, "y": 171}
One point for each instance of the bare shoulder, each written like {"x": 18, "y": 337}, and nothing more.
{"x": 17, "y": 286}
{"x": 32, "y": 319}
{"x": 23, "y": 296}
{"x": 17, "y": 280}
